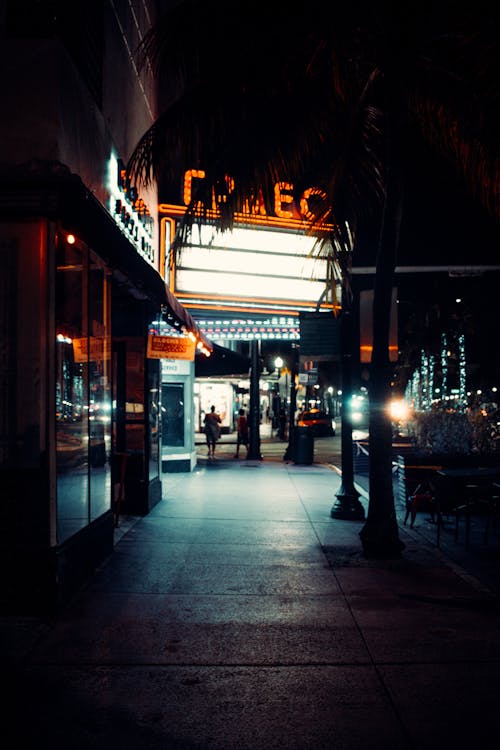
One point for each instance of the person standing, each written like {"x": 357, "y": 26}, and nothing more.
{"x": 242, "y": 432}
{"x": 212, "y": 430}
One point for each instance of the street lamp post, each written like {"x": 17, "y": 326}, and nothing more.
{"x": 278, "y": 363}
{"x": 347, "y": 505}
{"x": 290, "y": 449}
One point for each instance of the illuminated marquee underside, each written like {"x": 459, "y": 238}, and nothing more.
{"x": 249, "y": 269}
{"x": 278, "y": 328}
{"x": 246, "y": 328}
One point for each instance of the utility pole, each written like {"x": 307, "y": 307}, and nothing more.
{"x": 254, "y": 436}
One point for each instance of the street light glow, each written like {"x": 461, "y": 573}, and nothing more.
{"x": 398, "y": 410}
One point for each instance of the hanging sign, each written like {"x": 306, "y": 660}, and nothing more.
{"x": 91, "y": 349}
{"x": 170, "y": 347}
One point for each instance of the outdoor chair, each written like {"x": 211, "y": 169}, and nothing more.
{"x": 466, "y": 501}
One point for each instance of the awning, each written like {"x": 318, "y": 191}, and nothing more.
{"x": 177, "y": 315}
{"x": 63, "y": 197}
{"x": 221, "y": 362}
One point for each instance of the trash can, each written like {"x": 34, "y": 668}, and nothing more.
{"x": 304, "y": 445}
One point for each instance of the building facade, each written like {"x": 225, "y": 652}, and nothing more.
{"x": 80, "y": 286}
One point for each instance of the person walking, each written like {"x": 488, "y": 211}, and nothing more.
{"x": 212, "y": 430}
{"x": 242, "y": 432}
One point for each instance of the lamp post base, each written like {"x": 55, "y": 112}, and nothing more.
{"x": 289, "y": 453}
{"x": 347, "y": 506}
{"x": 254, "y": 455}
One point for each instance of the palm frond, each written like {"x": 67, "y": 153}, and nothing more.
{"x": 292, "y": 96}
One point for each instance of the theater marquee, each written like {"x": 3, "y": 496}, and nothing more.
{"x": 266, "y": 264}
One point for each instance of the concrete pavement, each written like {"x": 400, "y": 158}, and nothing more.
{"x": 239, "y": 615}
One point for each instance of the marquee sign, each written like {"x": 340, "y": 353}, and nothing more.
{"x": 285, "y": 206}
{"x": 266, "y": 264}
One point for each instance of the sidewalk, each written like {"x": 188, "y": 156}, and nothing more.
{"x": 239, "y": 615}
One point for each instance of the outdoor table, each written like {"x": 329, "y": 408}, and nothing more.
{"x": 475, "y": 486}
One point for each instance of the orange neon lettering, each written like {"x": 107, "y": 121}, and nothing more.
{"x": 222, "y": 195}
{"x": 254, "y": 206}
{"x": 283, "y": 197}
{"x": 189, "y": 176}
{"x": 304, "y": 205}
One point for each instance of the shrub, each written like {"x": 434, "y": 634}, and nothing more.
{"x": 439, "y": 431}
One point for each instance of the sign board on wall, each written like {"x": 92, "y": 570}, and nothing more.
{"x": 176, "y": 367}
{"x": 319, "y": 336}
{"x": 170, "y": 347}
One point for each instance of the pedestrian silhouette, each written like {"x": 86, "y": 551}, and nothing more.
{"x": 242, "y": 432}
{"x": 212, "y": 430}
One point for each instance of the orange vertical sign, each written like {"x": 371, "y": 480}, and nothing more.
{"x": 366, "y": 326}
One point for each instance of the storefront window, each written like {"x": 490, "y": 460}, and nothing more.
{"x": 71, "y": 391}
{"x": 220, "y": 395}
{"x": 99, "y": 389}
{"x": 82, "y": 389}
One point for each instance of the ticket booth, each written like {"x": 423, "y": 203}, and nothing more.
{"x": 178, "y": 452}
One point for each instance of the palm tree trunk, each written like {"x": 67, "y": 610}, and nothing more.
{"x": 379, "y": 535}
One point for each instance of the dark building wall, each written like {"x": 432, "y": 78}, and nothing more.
{"x": 72, "y": 98}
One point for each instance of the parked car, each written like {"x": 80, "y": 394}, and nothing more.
{"x": 321, "y": 423}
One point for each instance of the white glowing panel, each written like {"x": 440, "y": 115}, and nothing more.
{"x": 251, "y": 264}
{"x": 263, "y": 240}
{"x": 249, "y": 285}
{"x": 234, "y": 261}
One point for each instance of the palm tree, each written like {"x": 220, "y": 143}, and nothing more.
{"x": 339, "y": 98}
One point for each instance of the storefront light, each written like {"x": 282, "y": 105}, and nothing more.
{"x": 62, "y": 339}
